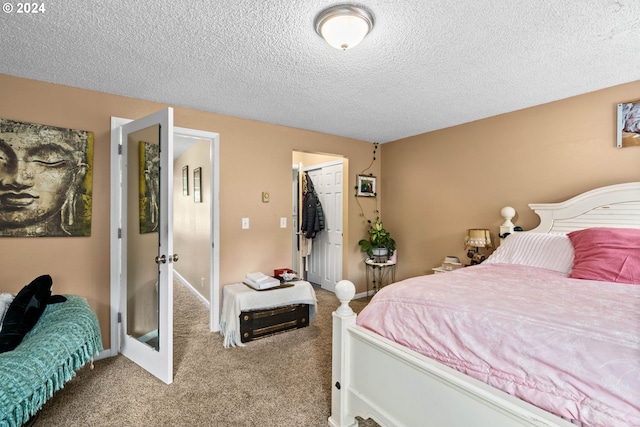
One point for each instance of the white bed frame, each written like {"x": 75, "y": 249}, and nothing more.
{"x": 376, "y": 378}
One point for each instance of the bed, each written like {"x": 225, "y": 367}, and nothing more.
{"x": 501, "y": 373}
{"x": 64, "y": 337}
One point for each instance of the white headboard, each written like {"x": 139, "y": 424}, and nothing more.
{"x": 611, "y": 206}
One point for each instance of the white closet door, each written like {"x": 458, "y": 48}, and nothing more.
{"x": 325, "y": 263}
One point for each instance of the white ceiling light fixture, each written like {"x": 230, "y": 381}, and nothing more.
{"x": 344, "y": 26}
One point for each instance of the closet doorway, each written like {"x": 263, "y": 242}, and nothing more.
{"x": 324, "y": 264}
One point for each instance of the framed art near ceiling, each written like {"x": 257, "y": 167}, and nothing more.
{"x": 366, "y": 186}
{"x": 628, "y": 129}
{"x": 197, "y": 183}
{"x": 46, "y": 175}
{"x": 185, "y": 180}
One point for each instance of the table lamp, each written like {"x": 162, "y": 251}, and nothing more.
{"x": 477, "y": 238}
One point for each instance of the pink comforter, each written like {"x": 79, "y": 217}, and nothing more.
{"x": 569, "y": 346}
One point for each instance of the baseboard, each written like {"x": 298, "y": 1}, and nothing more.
{"x": 364, "y": 295}
{"x": 192, "y": 289}
{"x": 105, "y": 354}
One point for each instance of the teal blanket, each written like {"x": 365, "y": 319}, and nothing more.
{"x": 65, "y": 338}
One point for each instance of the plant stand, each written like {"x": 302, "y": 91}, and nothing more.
{"x": 379, "y": 274}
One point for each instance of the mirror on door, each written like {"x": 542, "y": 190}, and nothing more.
{"x": 143, "y": 238}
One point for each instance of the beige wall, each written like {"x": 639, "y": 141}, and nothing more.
{"x": 438, "y": 184}
{"x": 255, "y": 157}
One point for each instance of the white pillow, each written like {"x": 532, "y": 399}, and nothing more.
{"x": 542, "y": 250}
{"x": 5, "y": 302}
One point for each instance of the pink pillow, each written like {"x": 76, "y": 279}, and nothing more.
{"x": 606, "y": 254}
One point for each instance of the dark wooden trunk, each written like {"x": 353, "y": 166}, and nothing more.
{"x": 256, "y": 324}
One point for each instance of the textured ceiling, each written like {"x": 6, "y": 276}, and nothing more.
{"x": 426, "y": 65}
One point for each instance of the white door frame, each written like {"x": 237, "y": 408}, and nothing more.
{"x": 214, "y": 279}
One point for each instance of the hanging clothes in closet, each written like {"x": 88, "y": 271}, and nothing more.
{"x": 312, "y": 218}
{"x": 312, "y": 213}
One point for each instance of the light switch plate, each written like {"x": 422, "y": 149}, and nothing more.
{"x": 245, "y": 223}
{"x": 265, "y": 197}
{"x": 283, "y": 222}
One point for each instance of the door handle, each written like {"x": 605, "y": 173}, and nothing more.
{"x": 163, "y": 259}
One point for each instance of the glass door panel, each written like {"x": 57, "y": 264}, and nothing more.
{"x": 143, "y": 197}
{"x": 146, "y": 277}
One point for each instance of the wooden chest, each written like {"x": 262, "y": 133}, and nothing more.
{"x": 256, "y": 324}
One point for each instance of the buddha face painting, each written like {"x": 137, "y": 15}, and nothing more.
{"x": 43, "y": 180}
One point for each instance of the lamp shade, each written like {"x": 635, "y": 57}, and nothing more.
{"x": 478, "y": 238}
{"x": 343, "y": 27}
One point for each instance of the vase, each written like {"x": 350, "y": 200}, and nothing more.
{"x": 380, "y": 254}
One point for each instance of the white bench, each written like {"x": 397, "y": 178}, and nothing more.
{"x": 238, "y": 298}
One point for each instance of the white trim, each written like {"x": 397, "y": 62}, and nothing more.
{"x": 104, "y": 354}
{"x": 364, "y": 294}
{"x": 116, "y": 190}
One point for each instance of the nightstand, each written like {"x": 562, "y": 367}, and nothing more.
{"x": 450, "y": 263}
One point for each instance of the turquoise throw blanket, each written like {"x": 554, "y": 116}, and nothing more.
{"x": 65, "y": 338}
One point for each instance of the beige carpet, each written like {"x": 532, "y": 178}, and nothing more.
{"x": 282, "y": 380}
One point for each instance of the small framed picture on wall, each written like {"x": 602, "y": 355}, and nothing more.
{"x": 197, "y": 183}
{"x": 628, "y": 124}
{"x": 185, "y": 180}
{"x": 366, "y": 186}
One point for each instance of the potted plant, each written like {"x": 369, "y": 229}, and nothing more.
{"x": 380, "y": 244}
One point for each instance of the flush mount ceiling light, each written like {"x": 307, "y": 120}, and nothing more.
{"x": 344, "y": 26}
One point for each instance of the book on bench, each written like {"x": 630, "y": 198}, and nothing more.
{"x": 260, "y": 281}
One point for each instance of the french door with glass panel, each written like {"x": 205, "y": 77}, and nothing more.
{"x": 146, "y": 247}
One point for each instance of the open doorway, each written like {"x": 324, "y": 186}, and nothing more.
{"x": 320, "y": 260}
{"x": 195, "y": 216}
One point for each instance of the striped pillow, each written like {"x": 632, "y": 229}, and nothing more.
{"x": 542, "y": 250}
{"x": 5, "y": 302}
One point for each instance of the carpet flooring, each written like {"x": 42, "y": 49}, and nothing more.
{"x": 281, "y": 380}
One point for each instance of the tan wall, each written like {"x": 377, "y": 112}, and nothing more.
{"x": 255, "y": 157}
{"x": 438, "y": 184}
